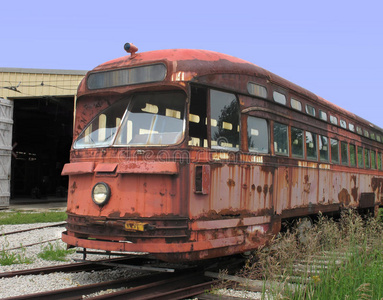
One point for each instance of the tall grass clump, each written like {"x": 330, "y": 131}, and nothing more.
{"x": 55, "y": 252}
{"x": 8, "y": 257}
{"x": 340, "y": 259}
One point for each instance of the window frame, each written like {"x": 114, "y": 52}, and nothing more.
{"x": 315, "y": 141}
{"x": 353, "y": 162}
{"x": 344, "y": 162}
{"x": 252, "y": 150}
{"x": 221, "y": 140}
{"x": 310, "y": 110}
{"x": 323, "y": 115}
{"x": 279, "y": 97}
{"x": 293, "y": 148}
{"x": 333, "y": 120}
{"x": 259, "y": 90}
{"x": 276, "y": 152}
{"x": 367, "y": 159}
{"x": 297, "y": 104}
{"x": 337, "y": 161}
{"x": 360, "y": 155}
{"x": 373, "y": 162}
{"x": 320, "y": 147}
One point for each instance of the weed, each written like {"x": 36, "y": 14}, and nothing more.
{"x": 55, "y": 252}
{"x": 10, "y": 258}
{"x": 341, "y": 258}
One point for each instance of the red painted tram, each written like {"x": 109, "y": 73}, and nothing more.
{"x": 192, "y": 154}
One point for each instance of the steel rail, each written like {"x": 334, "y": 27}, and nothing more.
{"x": 69, "y": 268}
{"x": 34, "y": 244}
{"x": 35, "y": 228}
{"x": 78, "y": 292}
{"x": 173, "y": 287}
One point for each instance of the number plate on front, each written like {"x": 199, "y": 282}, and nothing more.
{"x": 135, "y": 226}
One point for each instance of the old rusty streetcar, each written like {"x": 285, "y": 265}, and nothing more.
{"x": 192, "y": 154}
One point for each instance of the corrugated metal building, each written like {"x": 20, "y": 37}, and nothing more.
{"x": 36, "y": 117}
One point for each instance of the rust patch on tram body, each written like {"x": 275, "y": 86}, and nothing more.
{"x": 344, "y": 197}
{"x": 354, "y": 189}
{"x": 377, "y": 184}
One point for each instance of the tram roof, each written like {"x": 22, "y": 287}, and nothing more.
{"x": 202, "y": 62}
{"x": 205, "y": 62}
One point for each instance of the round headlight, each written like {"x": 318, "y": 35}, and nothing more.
{"x": 101, "y": 193}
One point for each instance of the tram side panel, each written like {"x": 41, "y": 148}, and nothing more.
{"x": 303, "y": 191}
{"x": 238, "y": 205}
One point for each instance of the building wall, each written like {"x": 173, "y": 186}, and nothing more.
{"x": 20, "y": 86}
{"x": 24, "y": 83}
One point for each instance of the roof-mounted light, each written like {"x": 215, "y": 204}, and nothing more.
{"x": 130, "y": 48}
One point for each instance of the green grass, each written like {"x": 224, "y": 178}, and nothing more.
{"x": 10, "y": 258}
{"x": 55, "y": 252}
{"x": 352, "y": 247}
{"x": 359, "y": 278}
{"x": 12, "y": 218}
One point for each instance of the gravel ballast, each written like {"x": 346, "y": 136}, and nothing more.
{"x": 21, "y": 285}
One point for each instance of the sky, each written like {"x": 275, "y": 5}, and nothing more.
{"x": 332, "y": 48}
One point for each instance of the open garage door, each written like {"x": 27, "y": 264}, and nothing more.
{"x": 42, "y": 138}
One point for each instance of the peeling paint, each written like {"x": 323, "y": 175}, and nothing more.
{"x": 344, "y": 197}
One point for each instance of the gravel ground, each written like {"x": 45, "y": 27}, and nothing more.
{"x": 22, "y": 285}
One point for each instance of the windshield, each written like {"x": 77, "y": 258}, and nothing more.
{"x": 144, "y": 119}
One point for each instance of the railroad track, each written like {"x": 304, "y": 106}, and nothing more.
{"x": 60, "y": 224}
{"x": 134, "y": 262}
{"x": 178, "y": 285}
{"x": 174, "y": 284}
{"x": 182, "y": 283}
{"x": 312, "y": 266}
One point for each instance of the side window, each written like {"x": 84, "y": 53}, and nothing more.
{"x": 257, "y": 135}
{"x": 360, "y": 157}
{"x": 297, "y": 142}
{"x": 197, "y": 117}
{"x": 334, "y": 151}
{"x": 359, "y": 130}
{"x": 311, "y": 145}
{"x": 366, "y": 158}
{"x": 352, "y": 156}
{"x": 224, "y": 113}
{"x": 279, "y": 98}
{"x": 322, "y": 115}
{"x": 373, "y": 160}
{"x": 379, "y": 161}
{"x": 333, "y": 120}
{"x": 257, "y": 90}
{"x": 323, "y": 148}
{"x": 296, "y": 104}
{"x": 281, "y": 139}
{"x": 344, "y": 153}
{"x": 310, "y": 110}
